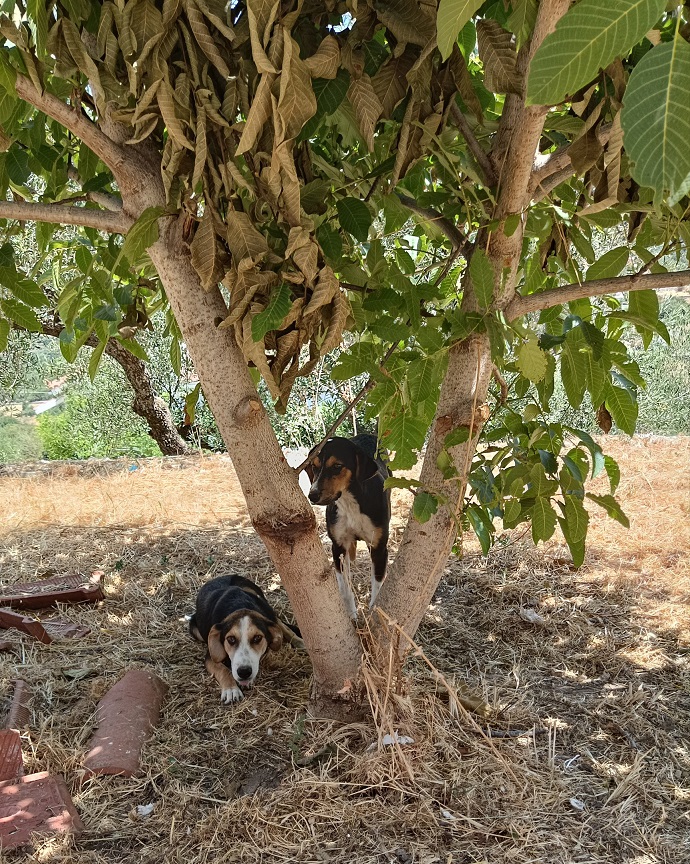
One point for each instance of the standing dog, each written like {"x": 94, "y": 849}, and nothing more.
{"x": 348, "y": 476}
{"x": 238, "y": 626}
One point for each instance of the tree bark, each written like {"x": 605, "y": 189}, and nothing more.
{"x": 416, "y": 571}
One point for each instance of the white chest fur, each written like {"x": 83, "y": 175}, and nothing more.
{"x": 352, "y": 524}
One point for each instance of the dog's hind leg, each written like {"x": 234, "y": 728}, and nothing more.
{"x": 341, "y": 559}
{"x": 379, "y": 560}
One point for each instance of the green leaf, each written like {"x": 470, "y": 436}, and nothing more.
{"x": 612, "y": 507}
{"x": 95, "y": 359}
{"x": 451, "y": 17}
{"x": 623, "y": 408}
{"x": 482, "y": 276}
{"x": 543, "y": 520}
{"x": 175, "y": 355}
{"x": 355, "y": 217}
{"x": 424, "y": 507}
{"x": 531, "y": 360}
{"x": 421, "y": 375}
{"x": 272, "y": 316}
{"x": 511, "y": 510}
{"x": 142, "y": 234}
{"x": 610, "y": 264}
{"x": 135, "y": 348}
{"x": 28, "y": 292}
{"x": 38, "y": 16}
{"x": 362, "y": 357}
{"x": 331, "y": 242}
{"x": 400, "y": 483}
{"x": 17, "y": 165}
{"x": 190, "y": 402}
{"x": 573, "y": 370}
{"x": 540, "y": 483}
{"x": 457, "y": 436}
{"x": 482, "y": 526}
{"x": 4, "y": 333}
{"x": 656, "y": 119}
{"x": 576, "y": 518}
{"x": 587, "y": 38}
{"x": 22, "y": 315}
{"x": 613, "y": 472}
{"x": 404, "y": 435}
{"x": 594, "y": 449}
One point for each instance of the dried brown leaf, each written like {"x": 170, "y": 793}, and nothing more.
{"x": 390, "y": 82}
{"x": 326, "y": 61}
{"x": 497, "y": 52}
{"x": 367, "y": 107}
{"x": 203, "y": 249}
{"x": 244, "y": 241}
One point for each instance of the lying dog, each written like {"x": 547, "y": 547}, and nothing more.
{"x": 236, "y": 622}
{"x": 347, "y": 476}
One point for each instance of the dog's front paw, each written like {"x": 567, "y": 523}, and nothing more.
{"x": 230, "y": 695}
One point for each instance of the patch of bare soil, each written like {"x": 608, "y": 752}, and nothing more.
{"x": 587, "y": 674}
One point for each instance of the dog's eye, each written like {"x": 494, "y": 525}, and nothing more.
{"x": 231, "y": 640}
{"x": 337, "y": 469}
{"x": 256, "y": 639}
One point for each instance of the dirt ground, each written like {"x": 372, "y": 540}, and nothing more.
{"x": 591, "y": 698}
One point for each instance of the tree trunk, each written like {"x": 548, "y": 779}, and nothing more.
{"x": 280, "y": 513}
{"x": 415, "y": 573}
{"x": 147, "y": 404}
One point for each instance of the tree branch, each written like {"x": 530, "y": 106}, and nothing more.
{"x": 74, "y": 120}
{"x": 458, "y": 240}
{"x": 103, "y": 199}
{"x": 520, "y": 306}
{"x": 476, "y": 148}
{"x": 556, "y": 168}
{"x": 60, "y": 214}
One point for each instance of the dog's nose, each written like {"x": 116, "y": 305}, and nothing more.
{"x": 244, "y": 672}
{"x": 314, "y": 495}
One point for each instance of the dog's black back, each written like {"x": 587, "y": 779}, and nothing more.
{"x": 221, "y": 597}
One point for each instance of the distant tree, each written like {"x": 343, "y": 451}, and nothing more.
{"x": 260, "y": 161}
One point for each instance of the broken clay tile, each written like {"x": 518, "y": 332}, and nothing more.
{"x": 11, "y": 762}
{"x": 125, "y": 716}
{"x": 35, "y": 804}
{"x": 19, "y": 714}
{"x": 58, "y": 589}
{"x": 57, "y": 628}
{"x": 30, "y": 626}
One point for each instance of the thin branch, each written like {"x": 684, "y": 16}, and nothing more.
{"x": 341, "y": 418}
{"x": 456, "y": 237}
{"x": 74, "y": 120}
{"x": 557, "y": 167}
{"x": 101, "y": 220}
{"x": 520, "y": 306}
{"x": 476, "y": 148}
{"x": 103, "y": 199}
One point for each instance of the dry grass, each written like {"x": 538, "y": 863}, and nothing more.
{"x": 601, "y": 688}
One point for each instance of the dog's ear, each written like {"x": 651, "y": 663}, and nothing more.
{"x": 275, "y": 637}
{"x": 216, "y": 648}
{"x": 366, "y": 467}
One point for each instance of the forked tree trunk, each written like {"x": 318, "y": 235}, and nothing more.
{"x": 279, "y": 511}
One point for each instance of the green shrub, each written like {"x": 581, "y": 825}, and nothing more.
{"x": 96, "y": 420}
{"x": 19, "y": 440}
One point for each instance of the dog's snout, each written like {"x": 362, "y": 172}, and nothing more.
{"x": 244, "y": 672}
{"x": 314, "y": 495}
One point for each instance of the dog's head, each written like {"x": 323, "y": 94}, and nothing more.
{"x": 243, "y": 638}
{"x": 333, "y": 470}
